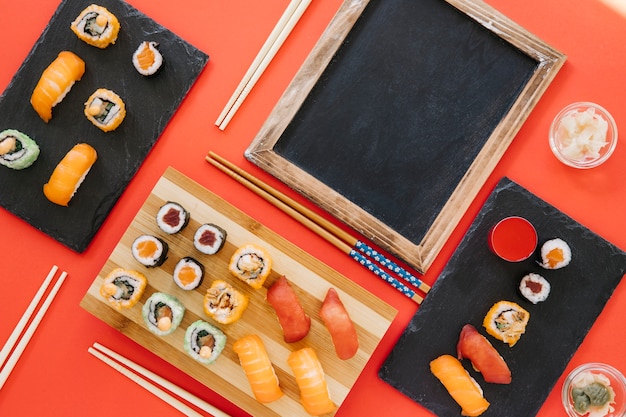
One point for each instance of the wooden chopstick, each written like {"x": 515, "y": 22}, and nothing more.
{"x": 277, "y": 37}
{"x": 336, "y": 236}
{"x": 7, "y": 362}
{"x": 151, "y": 382}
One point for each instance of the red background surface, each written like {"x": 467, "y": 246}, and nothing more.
{"x": 57, "y": 377}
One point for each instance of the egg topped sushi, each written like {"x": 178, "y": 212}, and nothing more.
{"x": 96, "y": 26}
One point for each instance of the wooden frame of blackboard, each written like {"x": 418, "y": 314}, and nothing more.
{"x": 300, "y": 102}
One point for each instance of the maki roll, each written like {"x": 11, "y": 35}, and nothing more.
{"x": 162, "y": 313}
{"x": 69, "y": 174}
{"x": 147, "y": 59}
{"x": 506, "y": 321}
{"x": 17, "y": 150}
{"x": 172, "y": 217}
{"x": 105, "y": 109}
{"x": 555, "y": 254}
{"x": 188, "y": 273}
{"x": 223, "y": 303}
{"x": 209, "y": 239}
{"x": 251, "y": 264}
{"x": 149, "y": 250}
{"x": 204, "y": 342}
{"x": 96, "y": 26}
{"x": 55, "y": 82}
{"x": 123, "y": 288}
{"x": 534, "y": 288}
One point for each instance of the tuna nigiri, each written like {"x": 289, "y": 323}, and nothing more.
{"x": 293, "y": 320}
{"x": 310, "y": 378}
{"x": 461, "y": 386}
{"x": 55, "y": 82}
{"x": 339, "y": 325}
{"x": 258, "y": 368}
{"x": 484, "y": 357}
{"x": 69, "y": 174}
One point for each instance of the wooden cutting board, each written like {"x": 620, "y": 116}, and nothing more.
{"x": 309, "y": 277}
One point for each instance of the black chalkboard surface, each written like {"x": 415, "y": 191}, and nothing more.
{"x": 417, "y": 99}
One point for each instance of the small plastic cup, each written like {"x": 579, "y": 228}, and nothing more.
{"x": 617, "y": 382}
{"x": 513, "y": 239}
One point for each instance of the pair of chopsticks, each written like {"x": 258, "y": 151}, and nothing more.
{"x": 152, "y": 382}
{"x": 277, "y": 37}
{"x": 11, "y": 353}
{"x": 356, "y": 249}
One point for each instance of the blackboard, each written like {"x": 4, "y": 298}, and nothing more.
{"x": 400, "y": 113}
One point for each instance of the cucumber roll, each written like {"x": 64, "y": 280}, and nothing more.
{"x": 188, "y": 273}
{"x": 17, "y": 150}
{"x": 105, "y": 109}
{"x": 96, "y": 26}
{"x": 123, "y": 288}
{"x": 251, "y": 264}
{"x": 149, "y": 250}
{"x": 162, "y": 313}
{"x": 209, "y": 238}
{"x": 204, "y": 342}
{"x": 172, "y": 217}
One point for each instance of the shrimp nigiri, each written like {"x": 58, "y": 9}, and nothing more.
{"x": 258, "y": 368}
{"x": 339, "y": 325}
{"x": 69, "y": 174}
{"x": 55, "y": 82}
{"x": 484, "y": 357}
{"x": 461, "y": 386}
{"x": 310, "y": 378}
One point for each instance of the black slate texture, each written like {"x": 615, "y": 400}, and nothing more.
{"x": 150, "y": 104}
{"x": 474, "y": 279}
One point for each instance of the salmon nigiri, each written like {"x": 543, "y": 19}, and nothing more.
{"x": 55, "y": 82}
{"x": 339, "y": 325}
{"x": 69, "y": 174}
{"x": 461, "y": 386}
{"x": 291, "y": 316}
{"x": 484, "y": 357}
{"x": 258, "y": 368}
{"x": 310, "y": 378}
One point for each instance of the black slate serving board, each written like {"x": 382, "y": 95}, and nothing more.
{"x": 474, "y": 279}
{"x": 150, "y": 104}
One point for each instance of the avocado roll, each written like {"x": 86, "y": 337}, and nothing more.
{"x": 150, "y": 251}
{"x": 251, "y": 264}
{"x": 209, "y": 238}
{"x": 188, "y": 273}
{"x": 105, "y": 109}
{"x": 123, "y": 288}
{"x": 162, "y": 313}
{"x": 17, "y": 150}
{"x": 204, "y": 342}
{"x": 96, "y": 26}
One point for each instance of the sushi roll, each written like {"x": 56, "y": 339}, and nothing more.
{"x": 506, "y": 321}
{"x": 555, "y": 254}
{"x": 223, "y": 303}
{"x": 123, "y": 288}
{"x": 251, "y": 264}
{"x": 209, "y": 239}
{"x": 149, "y": 250}
{"x": 188, "y": 273}
{"x": 55, "y": 82}
{"x": 162, "y": 313}
{"x": 534, "y": 288}
{"x": 172, "y": 217}
{"x": 105, "y": 109}
{"x": 147, "y": 59}
{"x": 17, "y": 150}
{"x": 96, "y": 26}
{"x": 204, "y": 342}
{"x": 69, "y": 174}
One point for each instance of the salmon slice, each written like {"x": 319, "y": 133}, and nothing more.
{"x": 69, "y": 174}
{"x": 484, "y": 357}
{"x": 310, "y": 378}
{"x": 258, "y": 368}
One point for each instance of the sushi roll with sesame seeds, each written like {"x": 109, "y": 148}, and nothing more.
{"x": 172, "y": 217}
{"x": 204, "y": 342}
{"x": 534, "y": 288}
{"x": 162, "y": 313}
{"x": 96, "y": 26}
{"x": 209, "y": 239}
{"x": 149, "y": 251}
{"x": 123, "y": 288}
{"x": 555, "y": 254}
{"x": 105, "y": 109}
{"x": 188, "y": 273}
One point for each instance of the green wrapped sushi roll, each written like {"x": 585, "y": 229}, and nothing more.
{"x": 17, "y": 150}
{"x": 204, "y": 342}
{"x": 162, "y": 313}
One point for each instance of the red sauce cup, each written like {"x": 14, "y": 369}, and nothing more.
{"x": 513, "y": 239}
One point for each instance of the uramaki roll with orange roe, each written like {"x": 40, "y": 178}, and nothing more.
{"x": 105, "y": 109}
{"x": 96, "y": 26}
{"x": 123, "y": 288}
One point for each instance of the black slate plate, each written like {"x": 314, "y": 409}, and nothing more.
{"x": 150, "y": 104}
{"x": 474, "y": 279}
